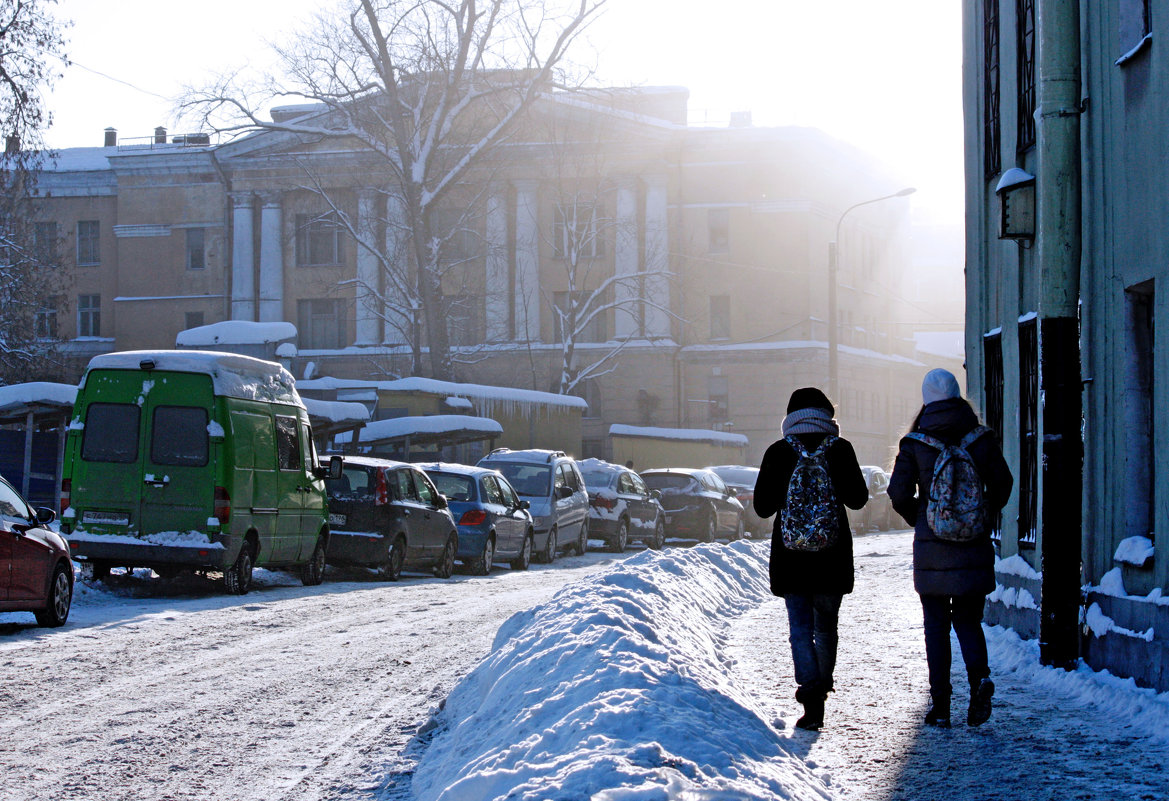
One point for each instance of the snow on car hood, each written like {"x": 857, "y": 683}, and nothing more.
{"x": 618, "y": 689}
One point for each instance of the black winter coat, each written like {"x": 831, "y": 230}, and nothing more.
{"x": 829, "y": 571}
{"x": 941, "y": 567}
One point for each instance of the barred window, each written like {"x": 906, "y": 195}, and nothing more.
{"x": 992, "y": 141}
{"x": 1028, "y": 432}
{"x": 1025, "y": 40}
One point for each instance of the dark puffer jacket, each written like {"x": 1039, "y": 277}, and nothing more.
{"x": 941, "y": 567}
{"x": 829, "y": 571}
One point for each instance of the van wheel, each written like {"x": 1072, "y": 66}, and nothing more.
{"x": 313, "y": 573}
{"x": 446, "y": 565}
{"x": 238, "y": 578}
{"x": 482, "y": 565}
{"x": 391, "y": 569}
{"x": 548, "y": 555}
{"x": 522, "y": 561}
{"x": 60, "y": 598}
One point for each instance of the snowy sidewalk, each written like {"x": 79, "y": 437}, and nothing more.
{"x": 1053, "y": 735}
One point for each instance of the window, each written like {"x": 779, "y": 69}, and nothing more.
{"x": 179, "y": 436}
{"x": 1028, "y": 432}
{"x": 464, "y": 319}
{"x": 404, "y": 486}
{"x": 590, "y": 391}
{"x": 576, "y": 235}
{"x": 720, "y": 316}
{"x": 718, "y": 230}
{"x": 426, "y": 491}
{"x": 194, "y": 319}
{"x": 320, "y": 323}
{"x": 456, "y": 235}
{"x": 1140, "y": 412}
{"x": 318, "y": 240}
{"x": 111, "y": 433}
{"x": 718, "y": 391}
{"x": 991, "y": 132}
{"x": 287, "y": 444}
{"x": 491, "y": 491}
{"x": 45, "y": 241}
{"x": 993, "y": 346}
{"x": 88, "y": 242}
{"x": 595, "y": 329}
{"x": 196, "y": 253}
{"x": 1025, "y": 70}
{"x": 46, "y": 320}
{"x": 89, "y": 315}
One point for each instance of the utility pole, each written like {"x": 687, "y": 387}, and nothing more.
{"x": 1059, "y": 242}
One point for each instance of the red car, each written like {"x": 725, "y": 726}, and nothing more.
{"x": 36, "y": 574}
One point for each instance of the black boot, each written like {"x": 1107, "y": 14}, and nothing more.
{"x": 980, "y": 695}
{"x": 939, "y": 712}
{"x": 812, "y": 697}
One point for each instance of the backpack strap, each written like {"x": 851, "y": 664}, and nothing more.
{"x": 825, "y": 444}
{"x": 926, "y": 439}
{"x": 974, "y": 434}
{"x": 797, "y": 446}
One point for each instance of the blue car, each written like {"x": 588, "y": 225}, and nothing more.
{"x": 494, "y": 523}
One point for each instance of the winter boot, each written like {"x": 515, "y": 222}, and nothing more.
{"x": 980, "y": 695}
{"x": 939, "y": 712}
{"x": 812, "y": 698}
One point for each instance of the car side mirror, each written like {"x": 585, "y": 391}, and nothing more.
{"x": 45, "y": 515}
{"x": 523, "y": 504}
{"x": 441, "y": 501}
{"x": 565, "y": 492}
{"x": 656, "y": 494}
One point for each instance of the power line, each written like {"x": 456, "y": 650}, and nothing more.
{"x": 119, "y": 80}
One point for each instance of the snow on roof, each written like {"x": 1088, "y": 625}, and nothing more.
{"x": 232, "y": 375}
{"x": 491, "y": 400}
{"x": 402, "y": 427}
{"x": 79, "y": 159}
{"x": 235, "y": 332}
{"x": 336, "y": 411}
{"x": 46, "y": 393}
{"x": 721, "y": 438}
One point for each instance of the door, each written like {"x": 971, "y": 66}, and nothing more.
{"x": 28, "y": 554}
{"x": 312, "y": 497}
{"x": 435, "y": 519}
{"x": 418, "y": 547}
{"x": 291, "y": 489}
{"x": 503, "y": 505}
{"x": 107, "y": 477}
{"x": 10, "y": 506}
{"x": 642, "y": 505}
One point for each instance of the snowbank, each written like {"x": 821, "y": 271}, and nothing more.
{"x": 680, "y": 434}
{"x": 616, "y": 690}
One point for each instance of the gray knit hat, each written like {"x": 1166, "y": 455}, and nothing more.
{"x": 939, "y": 385}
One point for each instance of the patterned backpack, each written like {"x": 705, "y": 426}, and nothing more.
{"x": 809, "y": 519}
{"x": 956, "y": 510}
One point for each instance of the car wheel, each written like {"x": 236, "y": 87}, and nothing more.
{"x": 446, "y": 565}
{"x": 238, "y": 578}
{"x": 548, "y": 555}
{"x": 621, "y": 538}
{"x": 60, "y": 598}
{"x": 482, "y": 565}
{"x": 710, "y": 530}
{"x": 582, "y": 542}
{"x": 738, "y": 535}
{"x": 658, "y": 541}
{"x": 391, "y": 568}
{"x": 313, "y": 573}
{"x": 522, "y": 561}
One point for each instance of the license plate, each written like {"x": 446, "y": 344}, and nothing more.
{"x": 106, "y": 518}
{"x": 337, "y": 520}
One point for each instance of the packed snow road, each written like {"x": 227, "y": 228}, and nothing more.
{"x": 172, "y": 690}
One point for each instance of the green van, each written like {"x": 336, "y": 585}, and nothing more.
{"x": 193, "y": 460}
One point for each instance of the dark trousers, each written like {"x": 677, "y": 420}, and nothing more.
{"x": 812, "y": 622}
{"x": 964, "y": 613}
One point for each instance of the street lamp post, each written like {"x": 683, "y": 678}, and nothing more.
{"x": 833, "y": 326}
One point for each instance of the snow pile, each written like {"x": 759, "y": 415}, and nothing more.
{"x": 1134, "y": 550}
{"x": 681, "y": 434}
{"x": 617, "y": 689}
{"x": 1100, "y": 624}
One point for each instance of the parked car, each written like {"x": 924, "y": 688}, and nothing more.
{"x": 877, "y": 513}
{"x": 35, "y": 572}
{"x": 193, "y": 460}
{"x": 622, "y": 507}
{"x": 697, "y": 502}
{"x": 551, "y": 482}
{"x": 494, "y": 522}
{"x": 389, "y": 515}
{"x": 741, "y": 479}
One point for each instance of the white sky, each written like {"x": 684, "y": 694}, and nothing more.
{"x": 885, "y": 76}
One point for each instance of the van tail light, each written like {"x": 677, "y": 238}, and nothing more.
{"x": 602, "y": 502}
{"x": 472, "y": 517}
{"x": 381, "y": 493}
{"x": 222, "y": 505}
{"x": 66, "y": 494}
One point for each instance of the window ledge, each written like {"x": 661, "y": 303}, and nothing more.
{"x": 1140, "y": 46}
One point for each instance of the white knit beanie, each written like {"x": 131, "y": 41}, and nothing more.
{"x": 939, "y": 385}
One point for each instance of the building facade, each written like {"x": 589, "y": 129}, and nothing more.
{"x": 1067, "y": 251}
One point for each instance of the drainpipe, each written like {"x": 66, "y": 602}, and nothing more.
{"x": 1059, "y": 242}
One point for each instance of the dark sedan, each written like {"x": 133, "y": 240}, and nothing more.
{"x": 389, "y": 515}
{"x": 35, "y": 572}
{"x": 697, "y": 502}
{"x": 741, "y": 479}
{"x": 622, "y": 507}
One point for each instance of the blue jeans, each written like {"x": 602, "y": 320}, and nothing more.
{"x": 964, "y": 613}
{"x": 812, "y": 622}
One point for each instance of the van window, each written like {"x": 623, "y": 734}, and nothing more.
{"x": 178, "y": 436}
{"x": 287, "y": 444}
{"x": 111, "y": 433}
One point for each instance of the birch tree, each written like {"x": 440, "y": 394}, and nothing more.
{"x": 427, "y": 90}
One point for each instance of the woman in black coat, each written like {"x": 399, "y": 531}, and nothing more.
{"x": 952, "y": 578}
{"x": 812, "y": 583}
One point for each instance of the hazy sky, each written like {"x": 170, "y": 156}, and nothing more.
{"x": 882, "y": 75}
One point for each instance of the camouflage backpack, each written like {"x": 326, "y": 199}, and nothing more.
{"x": 809, "y": 520}
{"x": 956, "y": 510}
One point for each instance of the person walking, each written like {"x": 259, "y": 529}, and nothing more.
{"x": 953, "y": 556}
{"x": 805, "y": 480}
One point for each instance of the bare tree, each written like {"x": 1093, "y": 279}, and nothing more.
{"x": 426, "y": 90}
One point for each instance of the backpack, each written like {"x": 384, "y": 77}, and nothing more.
{"x": 809, "y": 520}
{"x": 956, "y": 510}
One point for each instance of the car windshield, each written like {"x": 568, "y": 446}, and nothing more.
{"x": 527, "y": 479}
{"x": 454, "y": 487}
{"x": 743, "y": 476}
{"x": 667, "y": 481}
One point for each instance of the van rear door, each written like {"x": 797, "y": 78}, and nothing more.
{"x": 107, "y": 480}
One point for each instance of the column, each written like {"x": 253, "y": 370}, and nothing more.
{"x": 368, "y": 300}
{"x": 243, "y": 279}
{"x": 398, "y": 290}
{"x": 271, "y": 261}
{"x": 657, "y": 258}
{"x": 627, "y": 318}
{"x": 527, "y": 256}
{"x": 498, "y": 278}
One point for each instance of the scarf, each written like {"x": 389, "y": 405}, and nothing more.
{"x": 810, "y": 421}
